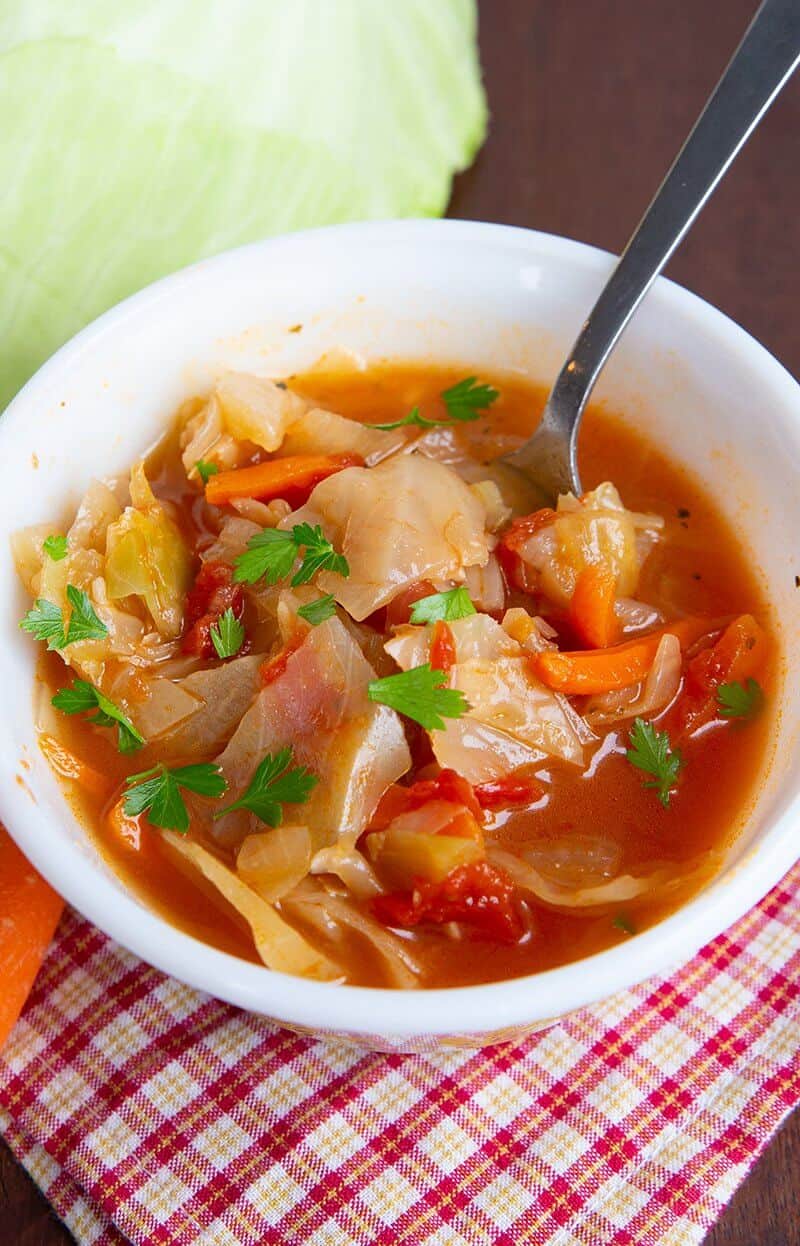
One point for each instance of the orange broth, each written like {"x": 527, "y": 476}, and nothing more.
{"x": 698, "y": 567}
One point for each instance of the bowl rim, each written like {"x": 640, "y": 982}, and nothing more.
{"x": 367, "y": 1011}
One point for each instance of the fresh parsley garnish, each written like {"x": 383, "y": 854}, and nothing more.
{"x": 158, "y": 793}
{"x": 55, "y": 546}
{"x": 736, "y": 700}
{"x": 83, "y": 621}
{"x": 205, "y": 469}
{"x": 272, "y": 554}
{"x": 274, "y": 784}
{"x": 421, "y": 694}
{"x": 465, "y": 401}
{"x": 227, "y": 634}
{"x": 83, "y": 696}
{"x": 624, "y": 923}
{"x": 46, "y": 621}
{"x": 453, "y": 604}
{"x": 650, "y": 751}
{"x": 318, "y": 611}
{"x": 412, "y": 418}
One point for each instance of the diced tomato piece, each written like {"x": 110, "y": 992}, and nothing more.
{"x": 519, "y": 532}
{"x": 510, "y": 792}
{"x": 273, "y": 668}
{"x": 447, "y": 786}
{"x": 443, "y": 647}
{"x": 398, "y": 610}
{"x": 737, "y": 656}
{"x": 480, "y": 895}
{"x": 212, "y": 593}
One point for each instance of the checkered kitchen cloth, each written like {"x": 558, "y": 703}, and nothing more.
{"x": 149, "y": 1112}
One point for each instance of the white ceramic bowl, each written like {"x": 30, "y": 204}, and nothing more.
{"x": 484, "y": 296}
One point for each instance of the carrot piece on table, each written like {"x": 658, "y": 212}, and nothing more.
{"x": 274, "y": 477}
{"x": 591, "y": 610}
{"x": 591, "y": 671}
{"x": 29, "y": 913}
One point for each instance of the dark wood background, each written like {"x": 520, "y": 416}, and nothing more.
{"x": 590, "y": 100}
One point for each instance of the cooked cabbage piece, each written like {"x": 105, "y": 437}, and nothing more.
{"x": 242, "y": 412}
{"x": 278, "y": 944}
{"x": 148, "y": 558}
{"x": 324, "y": 432}
{"x": 513, "y": 720}
{"x": 195, "y": 715}
{"x": 318, "y": 705}
{"x": 406, "y": 520}
{"x": 595, "y": 530}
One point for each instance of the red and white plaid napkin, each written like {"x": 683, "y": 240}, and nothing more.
{"x": 149, "y": 1112}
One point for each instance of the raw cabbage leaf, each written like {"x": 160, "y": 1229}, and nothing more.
{"x": 140, "y": 136}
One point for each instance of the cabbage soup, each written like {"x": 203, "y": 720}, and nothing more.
{"x": 328, "y": 695}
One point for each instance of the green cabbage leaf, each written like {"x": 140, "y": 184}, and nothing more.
{"x": 141, "y": 135}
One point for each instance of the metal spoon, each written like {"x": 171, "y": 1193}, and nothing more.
{"x": 761, "y": 65}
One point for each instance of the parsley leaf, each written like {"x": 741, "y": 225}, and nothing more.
{"x": 650, "y": 751}
{"x": 453, "y": 604}
{"x": 83, "y": 696}
{"x": 205, "y": 469}
{"x": 158, "y": 792}
{"x": 318, "y": 611}
{"x": 421, "y": 694}
{"x": 624, "y": 923}
{"x": 55, "y": 546}
{"x": 45, "y": 622}
{"x": 83, "y": 621}
{"x": 272, "y": 554}
{"x": 467, "y": 400}
{"x": 227, "y": 634}
{"x": 413, "y": 418}
{"x": 275, "y": 783}
{"x": 319, "y": 554}
{"x": 737, "y": 700}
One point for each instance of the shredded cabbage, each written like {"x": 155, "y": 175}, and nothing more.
{"x": 279, "y": 945}
{"x": 147, "y": 557}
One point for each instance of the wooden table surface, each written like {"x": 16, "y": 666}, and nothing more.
{"x": 590, "y": 100}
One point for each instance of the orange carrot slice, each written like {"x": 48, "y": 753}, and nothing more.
{"x": 591, "y": 610}
{"x": 29, "y": 913}
{"x": 443, "y": 647}
{"x": 584, "y": 673}
{"x": 273, "y": 478}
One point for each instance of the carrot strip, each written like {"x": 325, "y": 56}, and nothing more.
{"x": 443, "y": 647}
{"x": 65, "y": 763}
{"x": 591, "y": 610}
{"x": 274, "y": 477}
{"x": 584, "y": 673}
{"x": 29, "y": 913}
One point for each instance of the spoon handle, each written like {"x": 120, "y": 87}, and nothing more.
{"x": 761, "y": 65}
